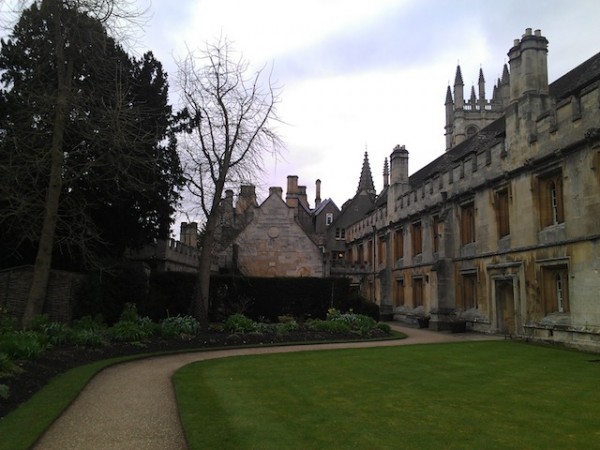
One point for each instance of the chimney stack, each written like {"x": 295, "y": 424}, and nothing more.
{"x": 318, "y": 195}
{"x": 399, "y": 163}
{"x": 276, "y": 190}
{"x": 291, "y": 197}
{"x": 246, "y": 199}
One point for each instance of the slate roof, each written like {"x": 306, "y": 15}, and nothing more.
{"x": 486, "y": 138}
{"x": 577, "y": 79}
{"x": 322, "y": 206}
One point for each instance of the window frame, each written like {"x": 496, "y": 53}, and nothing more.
{"x": 550, "y": 198}
{"x": 555, "y": 288}
{"x": 398, "y": 243}
{"x": 417, "y": 238}
{"x": 418, "y": 291}
{"x": 467, "y": 223}
{"x": 502, "y": 208}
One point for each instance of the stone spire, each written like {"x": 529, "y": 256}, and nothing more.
{"x": 448, "y": 97}
{"x": 386, "y": 173}
{"x": 473, "y": 98}
{"x": 458, "y": 89}
{"x": 366, "y": 179}
{"x": 481, "y": 85}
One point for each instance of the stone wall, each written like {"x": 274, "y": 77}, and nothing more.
{"x": 14, "y": 289}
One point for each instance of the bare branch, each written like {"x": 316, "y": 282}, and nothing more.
{"x": 229, "y": 123}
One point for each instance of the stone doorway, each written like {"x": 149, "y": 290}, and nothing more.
{"x": 505, "y": 306}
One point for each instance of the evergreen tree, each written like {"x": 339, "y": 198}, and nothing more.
{"x": 88, "y": 165}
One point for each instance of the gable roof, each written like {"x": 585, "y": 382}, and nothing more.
{"x": 323, "y": 205}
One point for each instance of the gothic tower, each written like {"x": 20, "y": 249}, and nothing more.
{"x": 464, "y": 118}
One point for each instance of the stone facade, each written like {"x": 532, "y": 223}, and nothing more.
{"x": 171, "y": 255}
{"x": 502, "y": 232}
{"x": 274, "y": 244}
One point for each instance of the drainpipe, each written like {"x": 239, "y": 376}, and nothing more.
{"x": 374, "y": 243}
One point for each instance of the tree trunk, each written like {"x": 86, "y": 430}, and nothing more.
{"x": 201, "y": 301}
{"x": 202, "y": 288}
{"x": 43, "y": 260}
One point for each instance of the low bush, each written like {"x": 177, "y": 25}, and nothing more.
{"x": 384, "y": 327}
{"x": 57, "y": 333}
{"x": 287, "y": 327}
{"x": 6, "y": 365}
{"x": 128, "y": 331}
{"x": 358, "y": 323}
{"x": 7, "y": 322}
{"x": 179, "y": 325}
{"x": 129, "y": 313}
{"x": 82, "y": 337}
{"x": 360, "y": 305}
{"x": 90, "y": 323}
{"x": 22, "y": 344}
{"x": 238, "y": 323}
{"x": 4, "y": 391}
{"x": 331, "y": 326}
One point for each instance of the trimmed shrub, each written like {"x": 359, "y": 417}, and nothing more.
{"x": 170, "y": 295}
{"x": 105, "y": 292}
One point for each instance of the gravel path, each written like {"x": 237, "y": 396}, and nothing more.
{"x": 132, "y": 405}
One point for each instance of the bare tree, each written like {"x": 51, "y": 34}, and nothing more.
{"x": 229, "y": 118}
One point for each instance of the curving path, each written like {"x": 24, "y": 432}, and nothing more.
{"x": 132, "y": 405}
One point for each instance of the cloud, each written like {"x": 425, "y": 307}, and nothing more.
{"x": 374, "y": 74}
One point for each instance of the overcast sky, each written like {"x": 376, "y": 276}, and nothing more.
{"x": 367, "y": 74}
{"x": 358, "y": 74}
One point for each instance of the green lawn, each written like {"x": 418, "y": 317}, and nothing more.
{"x": 480, "y": 395}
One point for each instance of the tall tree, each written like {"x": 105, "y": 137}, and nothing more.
{"x": 229, "y": 118}
{"x": 84, "y": 139}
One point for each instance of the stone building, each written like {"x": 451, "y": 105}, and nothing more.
{"x": 171, "y": 255}
{"x": 501, "y": 232}
{"x": 281, "y": 237}
{"x": 342, "y": 260}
